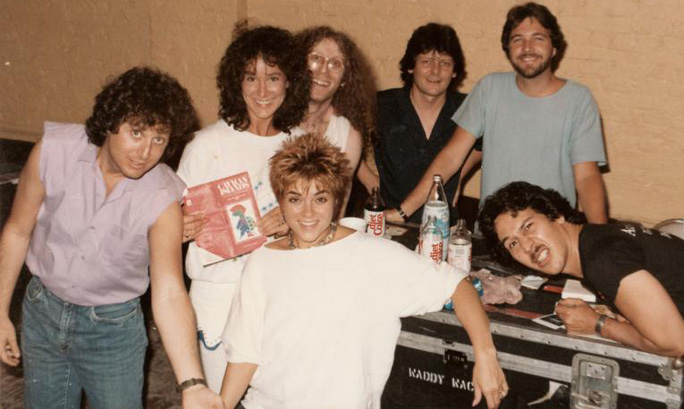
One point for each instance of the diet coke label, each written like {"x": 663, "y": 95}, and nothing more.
{"x": 376, "y": 222}
{"x": 431, "y": 246}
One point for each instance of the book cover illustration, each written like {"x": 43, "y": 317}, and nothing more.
{"x": 231, "y": 214}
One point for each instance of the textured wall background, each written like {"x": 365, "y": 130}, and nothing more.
{"x": 55, "y": 55}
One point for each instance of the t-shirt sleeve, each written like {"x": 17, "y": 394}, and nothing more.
{"x": 586, "y": 139}
{"x": 612, "y": 260}
{"x": 417, "y": 285}
{"x": 263, "y": 192}
{"x": 243, "y": 331}
{"x": 471, "y": 114}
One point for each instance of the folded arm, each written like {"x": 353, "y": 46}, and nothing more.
{"x": 654, "y": 323}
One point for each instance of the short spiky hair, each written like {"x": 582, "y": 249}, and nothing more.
{"x": 310, "y": 158}
{"x": 518, "y": 14}
{"x": 516, "y": 197}
{"x": 276, "y": 47}
{"x": 433, "y": 37}
{"x": 144, "y": 96}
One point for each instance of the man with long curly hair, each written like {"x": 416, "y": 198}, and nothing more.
{"x": 264, "y": 89}
{"x": 341, "y": 99}
{"x": 638, "y": 271}
{"x": 94, "y": 208}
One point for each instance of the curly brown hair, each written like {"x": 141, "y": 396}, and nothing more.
{"x": 309, "y": 158}
{"x": 276, "y": 47}
{"x": 355, "y": 100}
{"x": 144, "y": 96}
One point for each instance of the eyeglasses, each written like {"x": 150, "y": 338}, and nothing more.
{"x": 316, "y": 61}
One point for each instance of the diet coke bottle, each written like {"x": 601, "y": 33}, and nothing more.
{"x": 430, "y": 244}
{"x": 374, "y": 214}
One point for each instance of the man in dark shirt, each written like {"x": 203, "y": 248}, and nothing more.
{"x": 636, "y": 270}
{"x": 414, "y": 122}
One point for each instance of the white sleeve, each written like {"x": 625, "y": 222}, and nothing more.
{"x": 415, "y": 284}
{"x": 243, "y": 331}
{"x": 193, "y": 164}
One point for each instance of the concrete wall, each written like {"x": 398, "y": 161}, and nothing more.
{"x": 55, "y": 55}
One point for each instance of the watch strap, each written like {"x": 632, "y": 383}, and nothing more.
{"x": 189, "y": 383}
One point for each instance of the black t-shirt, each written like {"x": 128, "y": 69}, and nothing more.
{"x": 404, "y": 153}
{"x": 611, "y": 252}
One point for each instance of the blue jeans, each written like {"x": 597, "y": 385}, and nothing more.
{"x": 68, "y": 348}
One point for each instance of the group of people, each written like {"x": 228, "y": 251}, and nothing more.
{"x": 310, "y": 319}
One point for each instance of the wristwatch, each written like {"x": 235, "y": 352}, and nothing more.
{"x": 190, "y": 382}
{"x": 599, "y": 324}
{"x": 402, "y": 213}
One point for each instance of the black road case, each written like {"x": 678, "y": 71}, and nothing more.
{"x": 434, "y": 358}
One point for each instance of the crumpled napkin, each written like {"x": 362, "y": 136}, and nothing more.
{"x": 497, "y": 289}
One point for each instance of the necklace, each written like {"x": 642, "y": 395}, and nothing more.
{"x": 333, "y": 228}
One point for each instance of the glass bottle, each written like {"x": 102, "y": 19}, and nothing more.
{"x": 374, "y": 214}
{"x": 436, "y": 205}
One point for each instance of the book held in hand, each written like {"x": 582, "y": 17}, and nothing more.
{"x": 231, "y": 214}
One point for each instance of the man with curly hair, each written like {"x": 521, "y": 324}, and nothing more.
{"x": 414, "y": 122}
{"x": 264, "y": 91}
{"x": 94, "y": 209}
{"x": 636, "y": 270}
{"x": 537, "y": 127}
{"x": 341, "y": 99}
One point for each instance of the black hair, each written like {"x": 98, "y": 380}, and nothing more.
{"x": 433, "y": 37}
{"x": 515, "y": 197}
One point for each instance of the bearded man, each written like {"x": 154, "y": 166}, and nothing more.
{"x": 539, "y": 128}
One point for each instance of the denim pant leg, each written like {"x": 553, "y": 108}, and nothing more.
{"x": 109, "y": 354}
{"x": 67, "y": 348}
{"x": 50, "y": 379}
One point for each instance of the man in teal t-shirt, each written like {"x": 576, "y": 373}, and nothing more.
{"x": 540, "y": 128}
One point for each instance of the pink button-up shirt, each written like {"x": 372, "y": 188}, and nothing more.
{"x": 86, "y": 248}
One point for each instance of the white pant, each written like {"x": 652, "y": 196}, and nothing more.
{"x": 211, "y": 302}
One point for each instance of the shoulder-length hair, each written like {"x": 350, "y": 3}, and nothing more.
{"x": 355, "y": 99}
{"x": 276, "y": 47}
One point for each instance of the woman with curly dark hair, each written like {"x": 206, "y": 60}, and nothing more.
{"x": 341, "y": 100}
{"x": 94, "y": 212}
{"x": 264, "y": 89}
